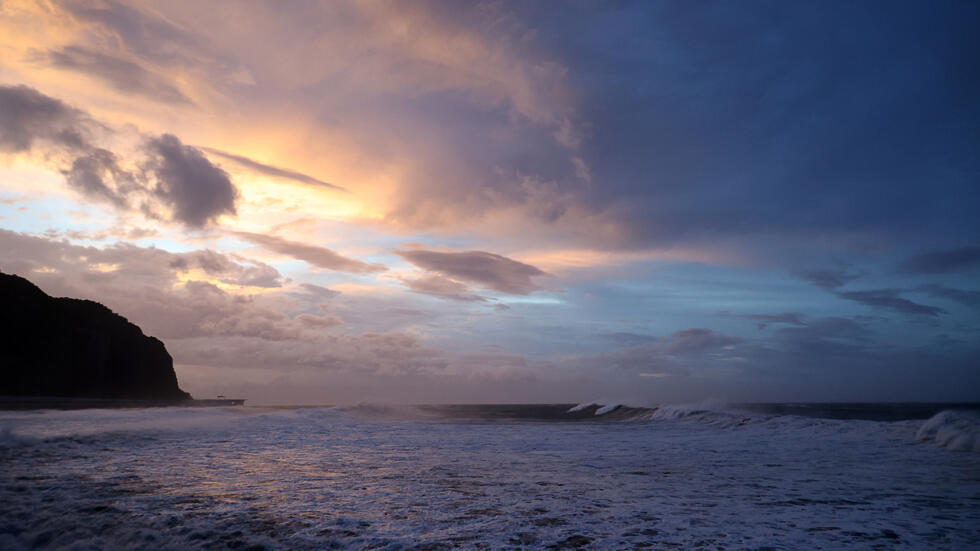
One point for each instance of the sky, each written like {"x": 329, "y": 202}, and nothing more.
{"x": 416, "y": 202}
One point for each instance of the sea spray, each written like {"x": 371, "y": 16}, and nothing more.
{"x": 953, "y": 430}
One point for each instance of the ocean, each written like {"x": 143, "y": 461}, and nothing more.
{"x": 708, "y": 476}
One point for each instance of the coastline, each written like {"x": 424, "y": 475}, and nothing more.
{"x": 9, "y": 403}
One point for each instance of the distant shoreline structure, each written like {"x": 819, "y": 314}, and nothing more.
{"x": 53, "y": 402}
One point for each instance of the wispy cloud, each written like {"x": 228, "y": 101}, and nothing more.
{"x": 962, "y": 296}
{"x": 765, "y": 320}
{"x": 122, "y": 74}
{"x": 441, "y": 287}
{"x": 828, "y": 279}
{"x": 269, "y": 170}
{"x": 940, "y": 262}
{"x": 889, "y": 299}
{"x": 321, "y": 257}
{"x": 490, "y": 270}
{"x": 882, "y": 299}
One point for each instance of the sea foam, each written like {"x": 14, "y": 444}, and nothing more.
{"x": 953, "y": 430}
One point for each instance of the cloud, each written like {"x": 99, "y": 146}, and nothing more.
{"x": 28, "y": 116}
{"x": 194, "y": 190}
{"x": 270, "y": 170}
{"x": 889, "y": 299}
{"x": 231, "y": 269}
{"x": 197, "y": 190}
{"x": 320, "y": 257}
{"x": 962, "y": 296}
{"x": 288, "y": 340}
{"x": 122, "y": 262}
{"x": 30, "y": 119}
{"x": 441, "y": 287}
{"x": 121, "y": 74}
{"x": 558, "y": 128}
{"x": 941, "y": 262}
{"x": 176, "y": 297}
{"x": 883, "y": 299}
{"x": 694, "y": 340}
{"x": 828, "y": 279}
{"x": 140, "y": 31}
{"x": 89, "y": 174}
{"x": 173, "y": 296}
{"x": 835, "y": 329}
{"x": 682, "y": 353}
{"x": 319, "y": 322}
{"x": 145, "y": 34}
{"x": 490, "y": 270}
{"x": 625, "y": 338}
{"x": 321, "y": 293}
{"x": 764, "y": 320}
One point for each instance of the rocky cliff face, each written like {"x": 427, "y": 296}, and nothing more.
{"x": 76, "y": 348}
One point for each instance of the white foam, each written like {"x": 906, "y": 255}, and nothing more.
{"x": 606, "y": 409}
{"x": 680, "y": 411}
{"x": 325, "y": 478}
{"x": 582, "y": 406}
{"x": 953, "y": 430}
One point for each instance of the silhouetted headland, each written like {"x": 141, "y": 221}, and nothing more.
{"x": 71, "y": 353}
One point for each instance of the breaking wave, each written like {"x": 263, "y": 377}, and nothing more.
{"x": 953, "y": 430}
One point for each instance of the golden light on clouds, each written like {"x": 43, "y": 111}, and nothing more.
{"x": 197, "y": 275}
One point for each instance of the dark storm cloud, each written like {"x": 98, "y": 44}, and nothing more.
{"x": 828, "y": 279}
{"x": 962, "y": 296}
{"x": 441, "y": 287}
{"x": 773, "y": 118}
{"x": 270, "y": 170}
{"x": 197, "y": 190}
{"x": 890, "y": 299}
{"x": 941, "y": 262}
{"x": 27, "y": 116}
{"x": 320, "y": 257}
{"x": 122, "y": 74}
{"x": 487, "y": 269}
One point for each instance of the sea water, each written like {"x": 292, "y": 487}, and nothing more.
{"x": 491, "y": 477}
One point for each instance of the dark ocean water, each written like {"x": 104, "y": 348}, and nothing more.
{"x": 711, "y": 477}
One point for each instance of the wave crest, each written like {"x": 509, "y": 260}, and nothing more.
{"x": 953, "y": 430}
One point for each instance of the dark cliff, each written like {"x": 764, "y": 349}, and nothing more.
{"x": 76, "y": 348}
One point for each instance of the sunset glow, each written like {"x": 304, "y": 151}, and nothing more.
{"x": 337, "y": 202}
